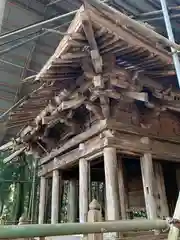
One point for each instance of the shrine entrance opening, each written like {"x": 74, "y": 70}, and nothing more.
{"x": 171, "y": 184}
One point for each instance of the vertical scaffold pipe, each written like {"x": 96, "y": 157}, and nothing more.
{"x": 171, "y": 38}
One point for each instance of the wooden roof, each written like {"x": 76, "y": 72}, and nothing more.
{"x": 96, "y": 43}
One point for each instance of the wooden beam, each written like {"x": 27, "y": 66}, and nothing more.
{"x": 126, "y": 143}
{"x": 74, "y": 103}
{"x": 14, "y": 155}
{"x": 83, "y": 190}
{"x": 42, "y": 200}
{"x": 89, "y": 150}
{"x": 148, "y": 185}
{"x": 88, "y": 30}
{"x": 111, "y": 93}
{"x": 76, "y": 55}
{"x": 64, "y": 95}
{"x": 98, "y": 81}
{"x": 95, "y": 109}
{"x": 135, "y": 130}
{"x": 111, "y": 183}
{"x": 87, "y": 67}
{"x": 94, "y": 130}
{"x": 104, "y": 100}
{"x": 136, "y": 145}
{"x": 9, "y": 145}
{"x": 140, "y": 96}
{"x": 119, "y": 83}
{"x": 145, "y": 81}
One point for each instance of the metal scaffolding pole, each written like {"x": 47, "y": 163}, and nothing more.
{"x": 54, "y": 2}
{"x": 157, "y": 12}
{"x": 45, "y": 32}
{"x": 45, "y": 230}
{"x": 171, "y": 38}
{"x": 39, "y": 24}
{"x": 2, "y": 9}
{"x": 21, "y": 43}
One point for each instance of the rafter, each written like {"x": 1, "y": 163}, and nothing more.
{"x": 88, "y": 30}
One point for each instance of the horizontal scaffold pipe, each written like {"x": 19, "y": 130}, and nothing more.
{"x": 157, "y": 12}
{"x": 45, "y": 230}
{"x": 38, "y": 24}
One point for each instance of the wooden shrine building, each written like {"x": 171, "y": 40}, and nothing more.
{"x": 106, "y": 111}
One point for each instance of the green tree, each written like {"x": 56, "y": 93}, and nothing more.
{"x": 18, "y": 188}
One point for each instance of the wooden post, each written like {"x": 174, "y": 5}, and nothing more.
{"x": 72, "y": 201}
{"x": 111, "y": 182}
{"x": 174, "y": 232}
{"x": 148, "y": 185}
{"x": 94, "y": 215}
{"x": 122, "y": 190}
{"x": 22, "y": 220}
{"x": 42, "y": 200}
{"x": 55, "y": 197}
{"x": 83, "y": 190}
{"x": 161, "y": 192}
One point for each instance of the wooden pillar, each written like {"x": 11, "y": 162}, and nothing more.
{"x": 122, "y": 190}
{"x": 42, "y": 200}
{"x": 72, "y": 201}
{"x": 111, "y": 182}
{"x": 148, "y": 185}
{"x": 162, "y": 207}
{"x": 55, "y": 197}
{"x": 95, "y": 215}
{"x": 83, "y": 190}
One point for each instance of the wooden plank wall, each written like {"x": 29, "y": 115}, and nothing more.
{"x": 164, "y": 124}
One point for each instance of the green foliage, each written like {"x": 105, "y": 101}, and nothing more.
{"x": 16, "y": 187}
{"x": 7, "y": 174}
{"x": 140, "y": 214}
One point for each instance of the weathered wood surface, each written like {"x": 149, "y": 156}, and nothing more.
{"x": 72, "y": 200}
{"x": 55, "y": 205}
{"x": 111, "y": 183}
{"x": 161, "y": 198}
{"x": 91, "y": 149}
{"x": 136, "y": 145}
{"x": 77, "y": 83}
{"x": 95, "y": 215}
{"x": 123, "y": 198}
{"x": 113, "y": 124}
{"x": 149, "y": 185}
{"x": 94, "y": 130}
{"x": 127, "y": 36}
{"x": 42, "y": 200}
{"x": 83, "y": 190}
{"x": 168, "y": 146}
{"x": 125, "y": 143}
